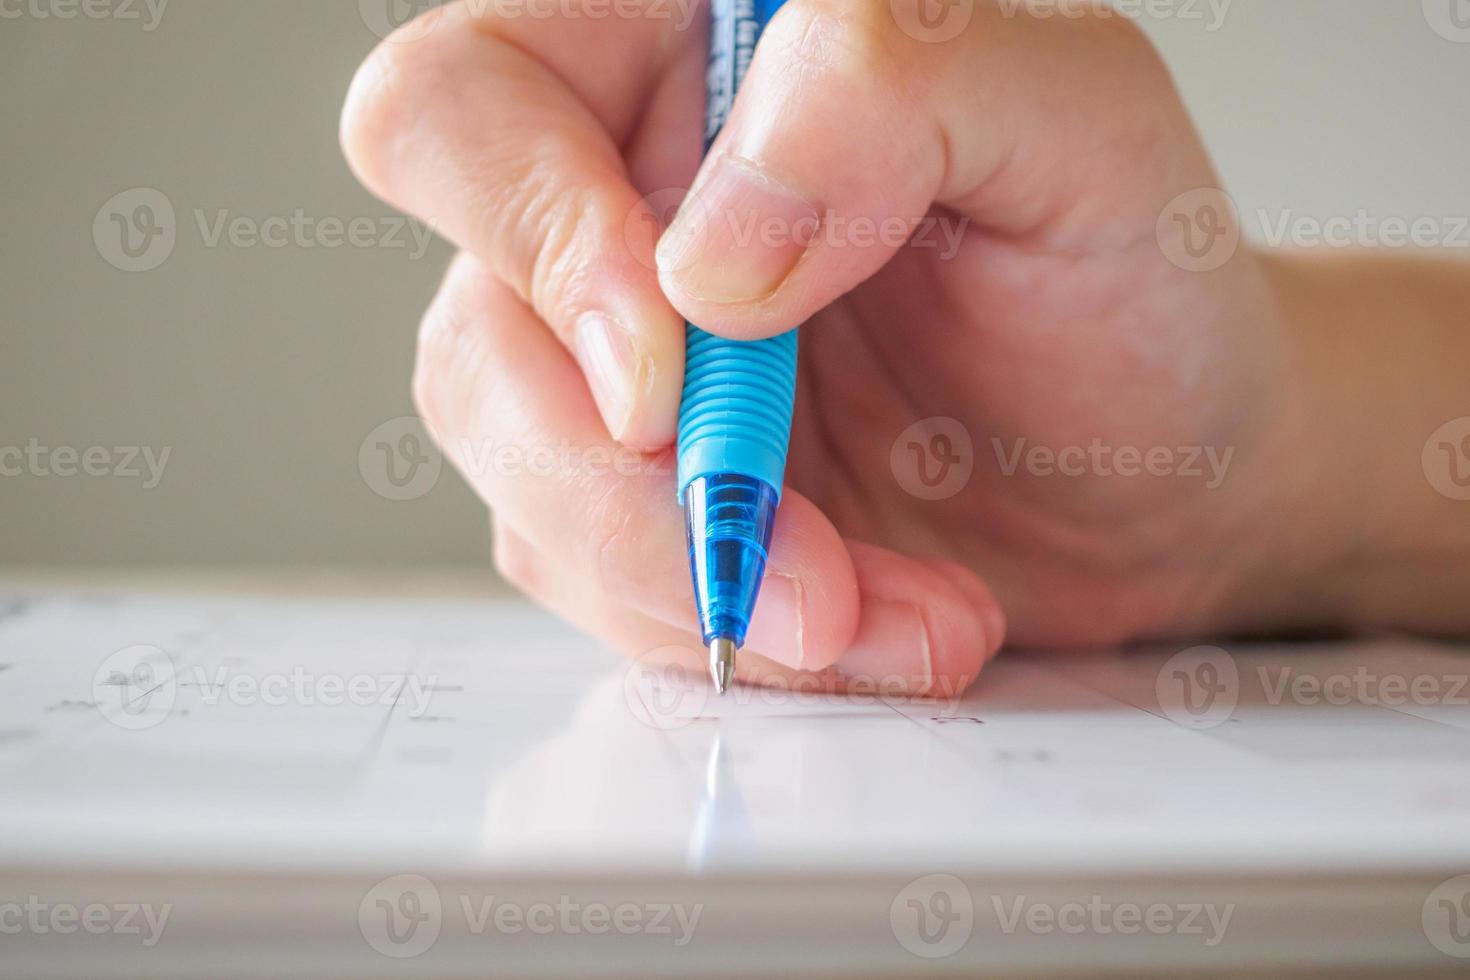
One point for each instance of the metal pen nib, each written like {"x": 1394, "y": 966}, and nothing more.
{"x": 722, "y": 663}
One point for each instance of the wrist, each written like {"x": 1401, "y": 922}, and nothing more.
{"x": 1357, "y": 535}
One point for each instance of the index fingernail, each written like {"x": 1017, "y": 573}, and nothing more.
{"x": 616, "y": 367}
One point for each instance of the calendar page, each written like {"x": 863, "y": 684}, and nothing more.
{"x": 310, "y": 738}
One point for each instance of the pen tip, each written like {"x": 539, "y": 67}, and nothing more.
{"x": 722, "y": 663}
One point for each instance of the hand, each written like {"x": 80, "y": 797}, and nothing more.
{"x": 1033, "y": 159}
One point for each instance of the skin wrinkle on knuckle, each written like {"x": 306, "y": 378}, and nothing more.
{"x": 450, "y": 376}
{"x": 559, "y": 267}
{"x": 833, "y": 39}
{"x": 610, "y": 522}
{"x": 436, "y": 337}
{"x": 535, "y": 226}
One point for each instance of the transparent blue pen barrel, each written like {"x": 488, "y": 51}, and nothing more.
{"x": 729, "y": 519}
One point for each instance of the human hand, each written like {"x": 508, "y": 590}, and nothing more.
{"x": 1034, "y": 157}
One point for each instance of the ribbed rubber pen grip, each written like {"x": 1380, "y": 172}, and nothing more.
{"x": 736, "y": 415}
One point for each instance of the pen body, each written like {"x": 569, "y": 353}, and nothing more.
{"x": 735, "y": 420}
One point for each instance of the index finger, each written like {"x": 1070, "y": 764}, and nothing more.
{"x": 506, "y": 134}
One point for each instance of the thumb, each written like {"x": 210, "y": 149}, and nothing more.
{"x": 853, "y": 122}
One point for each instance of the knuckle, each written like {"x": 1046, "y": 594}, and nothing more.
{"x": 425, "y": 387}
{"x": 609, "y": 520}
{"x": 539, "y": 227}
{"x": 560, "y": 263}
{"x": 430, "y": 364}
{"x": 378, "y": 106}
{"x": 840, "y": 38}
{"x": 387, "y": 92}
{"x": 447, "y": 352}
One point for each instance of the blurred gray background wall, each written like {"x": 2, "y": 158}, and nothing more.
{"x": 264, "y": 372}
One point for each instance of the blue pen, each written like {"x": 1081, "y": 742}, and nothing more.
{"x": 735, "y": 423}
